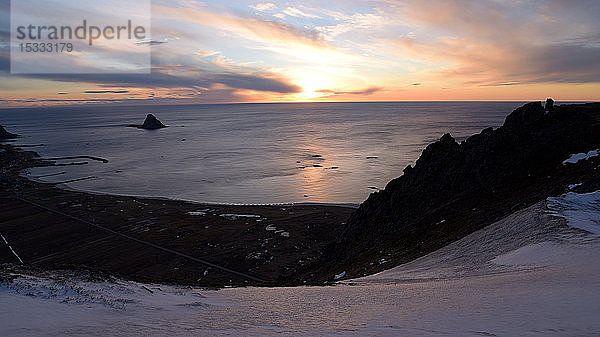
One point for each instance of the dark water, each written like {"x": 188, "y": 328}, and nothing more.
{"x": 247, "y": 153}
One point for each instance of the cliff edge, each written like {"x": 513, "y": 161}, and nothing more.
{"x": 456, "y": 188}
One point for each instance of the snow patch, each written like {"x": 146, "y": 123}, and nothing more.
{"x": 11, "y": 248}
{"x": 339, "y": 276}
{"x": 237, "y": 216}
{"x": 575, "y": 158}
{"x": 197, "y": 213}
{"x": 537, "y": 254}
{"x": 580, "y": 210}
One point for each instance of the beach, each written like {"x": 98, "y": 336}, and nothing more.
{"x": 50, "y": 227}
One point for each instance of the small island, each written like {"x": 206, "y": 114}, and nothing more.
{"x": 150, "y": 123}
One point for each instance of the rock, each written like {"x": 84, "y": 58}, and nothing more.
{"x": 7, "y": 135}
{"x": 469, "y": 184}
{"x": 549, "y": 104}
{"x": 150, "y": 123}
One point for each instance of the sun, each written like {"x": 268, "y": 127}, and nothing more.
{"x": 314, "y": 85}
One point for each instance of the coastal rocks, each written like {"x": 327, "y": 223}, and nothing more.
{"x": 150, "y": 123}
{"x": 469, "y": 185}
{"x": 7, "y": 135}
{"x": 549, "y": 104}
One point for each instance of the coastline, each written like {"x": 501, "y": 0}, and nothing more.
{"x": 52, "y": 227}
{"x": 453, "y": 190}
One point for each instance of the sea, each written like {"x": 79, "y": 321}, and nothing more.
{"x": 335, "y": 153}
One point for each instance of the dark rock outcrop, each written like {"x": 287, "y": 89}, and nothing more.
{"x": 150, "y": 123}
{"x": 549, "y": 104}
{"x": 7, "y": 135}
{"x": 455, "y": 189}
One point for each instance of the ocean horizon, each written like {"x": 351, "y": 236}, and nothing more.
{"x": 245, "y": 153}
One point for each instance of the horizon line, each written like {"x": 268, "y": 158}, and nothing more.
{"x": 303, "y": 102}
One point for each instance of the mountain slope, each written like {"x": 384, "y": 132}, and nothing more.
{"x": 455, "y": 189}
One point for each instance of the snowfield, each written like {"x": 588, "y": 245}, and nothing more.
{"x": 533, "y": 273}
{"x": 580, "y": 209}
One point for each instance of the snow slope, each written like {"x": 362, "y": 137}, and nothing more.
{"x": 530, "y": 274}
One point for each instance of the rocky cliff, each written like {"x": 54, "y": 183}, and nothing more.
{"x": 456, "y": 188}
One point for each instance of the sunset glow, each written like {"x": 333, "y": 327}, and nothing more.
{"x": 290, "y": 51}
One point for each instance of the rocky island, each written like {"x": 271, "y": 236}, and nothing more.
{"x": 150, "y": 123}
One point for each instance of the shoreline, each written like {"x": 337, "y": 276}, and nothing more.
{"x": 423, "y": 210}
{"x": 275, "y": 245}
{"x": 207, "y": 203}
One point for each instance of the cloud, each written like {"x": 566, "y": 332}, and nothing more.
{"x": 251, "y": 28}
{"x": 255, "y": 82}
{"x": 295, "y": 12}
{"x": 106, "y": 91}
{"x": 150, "y": 43}
{"x": 368, "y": 91}
{"x": 207, "y": 53}
{"x": 71, "y": 101}
{"x": 494, "y": 42}
{"x": 189, "y": 77}
{"x": 277, "y": 37}
{"x": 261, "y": 7}
{"x": 351, "y": 23}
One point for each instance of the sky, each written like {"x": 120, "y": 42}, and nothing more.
{"x": 341, "y": 50}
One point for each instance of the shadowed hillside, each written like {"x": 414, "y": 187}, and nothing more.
{"x": 455, "y": 189}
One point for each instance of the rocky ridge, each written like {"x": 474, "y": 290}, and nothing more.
{"x": 456, "y": 188}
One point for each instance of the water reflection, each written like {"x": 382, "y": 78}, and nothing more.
{"x": 248, "y": 153}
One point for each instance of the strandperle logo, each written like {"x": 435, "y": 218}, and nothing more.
{"x": 82, "y": 32}
{"x": 83, "y": 36}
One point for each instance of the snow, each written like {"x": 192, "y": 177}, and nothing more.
{"x": 580, "y": 210}
{"x": 575, "y": 158}
{"x": 237, "y": 216}
{"x": 541, "y": 254}
{"x": 71, "y": 304}
{"x": 529, "y": 274}
{"x": 278, "y": 231}
{"x": 11, "y": 249}
{"x": 339, "y": 276}
{"x": 572, "y": 186}
{"x": 201, "y": 213}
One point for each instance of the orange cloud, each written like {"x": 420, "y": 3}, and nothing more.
{"x": 489, "y": 42}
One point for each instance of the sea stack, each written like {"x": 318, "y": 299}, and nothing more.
{"x": 151, "y": 123}
{"x": 7, "y": 135}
